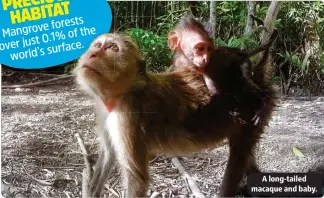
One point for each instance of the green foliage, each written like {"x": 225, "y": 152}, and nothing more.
{"x": 294, "y": 60}
{"x": 240, "y": 42}
{"x": 293, "y": 17}
{"x": 232, "y": 13}
{"x": 220, "y": 42}
{"x": 154, "y": 48}
{"x": 320, "y": 21}
{"x": 275, "y": 79}
{"x": 261, "y": 10}
{"x": 232, "y": 17}
{"x": 297, "y": 22}
{"x": 165, "y": 23}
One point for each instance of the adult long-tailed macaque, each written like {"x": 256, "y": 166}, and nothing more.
{"x": 141, "y": 113}
{"x": 138, "y": 113}
{"x": 226, "y": 70}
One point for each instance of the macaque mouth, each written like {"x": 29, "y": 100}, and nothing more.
{"x": 87, "y": 67}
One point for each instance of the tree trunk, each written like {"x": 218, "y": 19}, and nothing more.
{"x": 249, "y": 23}
{"x": 116, "y": 13}
{"x": 268, "y": 21}
{"x": 313, "y": 56}
{"x": 152, "y": 14}
{"x": 143, "y": 14}
{"x": 272, "y": 13}
{"x": 137, "y": 14}
{"x": 132, "y": 10}
{"x": 193, "y": 7}
{"x": 172, "y": 11}
{"x": 212, "y": 18}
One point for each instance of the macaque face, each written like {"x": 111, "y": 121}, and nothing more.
{"x": 196, "y": 48}
{"x": 110, "y": 57}
{"x": 193, "y": 44}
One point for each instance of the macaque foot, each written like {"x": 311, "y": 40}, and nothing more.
{"x": 243, "y": 191}
{"x": 260, "y": 113}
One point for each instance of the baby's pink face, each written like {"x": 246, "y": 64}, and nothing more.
{"x": 196, "y": 48}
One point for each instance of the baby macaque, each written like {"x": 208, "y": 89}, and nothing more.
{"x": 226, "y": 70}
{"x": 192, "y": 44}
{"x": 141, "y": 114}
{"x": 249, "y": 99}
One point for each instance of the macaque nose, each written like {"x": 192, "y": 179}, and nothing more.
{"x": 93, "y": 55}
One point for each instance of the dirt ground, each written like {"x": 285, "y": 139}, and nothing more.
{"x": 41, "y": 156}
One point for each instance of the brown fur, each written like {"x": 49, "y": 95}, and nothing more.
{"x": 149, "y": 115}
{"x": 249, "y": 99}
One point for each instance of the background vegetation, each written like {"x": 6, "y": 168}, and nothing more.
{"x": 299, "y": 24}
{"x": 297, "y": 55}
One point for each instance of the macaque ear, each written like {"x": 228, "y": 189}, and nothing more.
{"x": 173, "y": 40}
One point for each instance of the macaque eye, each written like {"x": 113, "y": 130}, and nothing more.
{"x": 201, "y": 49}
{"x": 98, "y": 45}
{"x": 128, "y": 44}
{"x": 209, "y": 49}
{"x": 113, "y": 46}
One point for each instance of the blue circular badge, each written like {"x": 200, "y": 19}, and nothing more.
{"x": 43, "y": 33}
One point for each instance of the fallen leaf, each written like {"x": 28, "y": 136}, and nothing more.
{"x": 298, "y": 152}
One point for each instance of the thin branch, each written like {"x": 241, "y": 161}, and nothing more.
{"x": 45, "y": 74}
{"x": 85, "y": 182}
{"x": 153, "y": 160}
{"x": 191, "y": 182}
{"x": 289, "y": 57}
{"x": 37, "y": 83}
{"x": 5, "y": 188}
{"x": 257, "y": 20}
{"x": 41, "y": 181}
{"x": 112, "y": 190}
{"x": 169, "y": 15}
{"x": 155, "y": 194}
{"x": 87, "y": 172}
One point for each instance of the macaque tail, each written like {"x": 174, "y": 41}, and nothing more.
{"x": 260, "y": 72}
